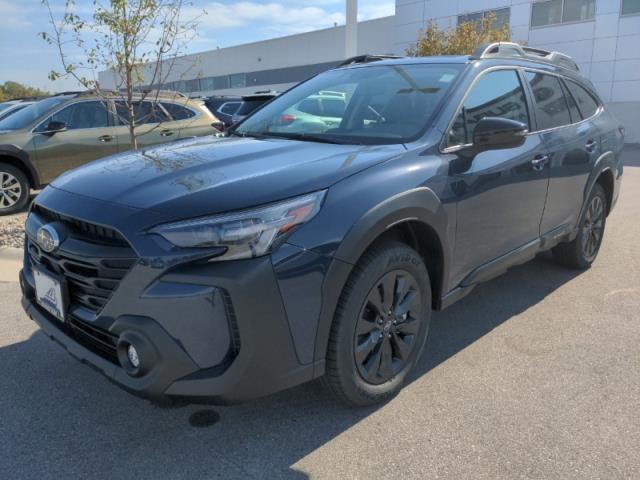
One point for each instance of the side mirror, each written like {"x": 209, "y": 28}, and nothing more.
{"x": 218, "y": 126}
{"x": 494, "y": 133}
{"x": 55, "y": 127}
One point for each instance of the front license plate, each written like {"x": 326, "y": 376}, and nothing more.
{"x": 49, "y": 294}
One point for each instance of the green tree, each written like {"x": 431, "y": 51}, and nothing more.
{"x": 10, "y": 90}
{"x": 139, "y": 41}
{"x": 461, "y": 40}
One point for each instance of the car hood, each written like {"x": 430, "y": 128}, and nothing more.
{"x": 210, "y": 175}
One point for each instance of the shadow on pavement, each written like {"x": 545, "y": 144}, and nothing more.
{"x": 59, "y": 417}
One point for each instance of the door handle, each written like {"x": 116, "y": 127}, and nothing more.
{"x": 539, "y": 162}
{"x": 105, "y": 138}
{"x": 166, "y": 133}
{"x": 591, "y": 146}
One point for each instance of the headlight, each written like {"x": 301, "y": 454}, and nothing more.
{"x": 245, "y": 234}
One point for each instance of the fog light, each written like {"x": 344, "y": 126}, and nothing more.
{"x": 132, "y": 354}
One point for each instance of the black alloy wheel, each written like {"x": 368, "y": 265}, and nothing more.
{"x": 387, "y": 327}
{"x": 592, "y": 228}
{"x": 380, "y": 324}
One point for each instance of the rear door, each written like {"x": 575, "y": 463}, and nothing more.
{"x": 188, "y": 121}
{"x": 572, "y": 140}
{"x": 500, "y": 193}
{"x": 89, "y": 135}
{"x": 154, "y": 126}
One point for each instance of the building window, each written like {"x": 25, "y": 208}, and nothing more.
{"x": 553, "y": 12}
{"x": 220, "y": 83}
{"x": 180, "y": 86}
{"x": 207, "y": 83}
{"x": 502, "y": 17}
{"x": 238, "y": 80}
{"x": 192, "y": 85}
{"x": 630, "y": 7}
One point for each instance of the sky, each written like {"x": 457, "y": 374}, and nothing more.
{"x": 26, "y": 58}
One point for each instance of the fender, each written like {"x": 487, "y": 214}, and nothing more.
{"x": 16, "y": 152}
{"x": 606, "y": 161}
{"x": 419, "y": 204}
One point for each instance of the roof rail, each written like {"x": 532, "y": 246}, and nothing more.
{"x": 159, "y": 93}
{"x": 510, "y": 49}
{"x": 72, "y": 92}
{"x": 366, "y": 58}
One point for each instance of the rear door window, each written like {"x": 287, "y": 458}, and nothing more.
{"x": 552, "y": 109}
{"x": 144, "y": 112}
{"x": 586, "y": 103}
{"x": 178, "y": 112}
{"x": 495, "y": 94}
{"x": 573, "y": 107}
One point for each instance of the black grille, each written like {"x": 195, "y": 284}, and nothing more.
{"x": 95, "y": 339}
{"x": 93, "y": 260}
{"x": 91, "y": 280}
{"x": 81, "y": 229}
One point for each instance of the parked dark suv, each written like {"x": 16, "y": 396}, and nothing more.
{"x": 221, "y": 269}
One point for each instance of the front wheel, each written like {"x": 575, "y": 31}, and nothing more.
{"x": 583, "y": 250}
{"x": 14, "y": 189}
{"x": 380, "y": 325}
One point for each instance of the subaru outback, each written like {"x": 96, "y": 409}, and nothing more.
{"x": 49, "y": 137}
{"x": 222, "y": 269}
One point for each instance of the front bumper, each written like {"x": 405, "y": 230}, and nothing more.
{"x": 216, "y": 332}
{"x": 264, "y": 362}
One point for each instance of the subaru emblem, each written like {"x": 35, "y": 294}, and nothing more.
{"x": 48, "y": 238}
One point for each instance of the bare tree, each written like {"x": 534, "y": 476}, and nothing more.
{"x": 139, "y": 41}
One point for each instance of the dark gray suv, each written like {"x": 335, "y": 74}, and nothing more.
{"x": 221, "y": 269}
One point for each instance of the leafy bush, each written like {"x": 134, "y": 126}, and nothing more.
{"x": 10, "y": 90}
{"x": 461, "y": 40}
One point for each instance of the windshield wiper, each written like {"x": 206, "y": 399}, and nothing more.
{"x": 307, "y": 137}
{"x": 235, "y": 133}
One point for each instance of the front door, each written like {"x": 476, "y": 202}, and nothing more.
{"x": 87, "y": 137}
{"x": 500, "y": 193}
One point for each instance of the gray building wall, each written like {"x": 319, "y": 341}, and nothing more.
{"x": 270, "y": 64}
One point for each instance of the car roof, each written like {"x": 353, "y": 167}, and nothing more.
{"x": 528, "y": 61}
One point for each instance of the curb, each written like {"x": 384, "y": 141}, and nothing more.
{"x": 10, "y": 263}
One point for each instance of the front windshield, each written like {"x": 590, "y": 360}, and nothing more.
{"x": 31, "y": 113}
{"x": 5, "y": 105}
{"x": 370, "y": 105}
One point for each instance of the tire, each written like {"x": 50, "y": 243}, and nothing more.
{"x": 363, "y": 332}
{"x": 15, "y": 189}
{"x": 582, "y": 251}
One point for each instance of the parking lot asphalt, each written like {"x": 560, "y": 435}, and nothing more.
{"x": 535, "y": 374}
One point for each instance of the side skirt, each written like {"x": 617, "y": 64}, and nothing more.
{"x": 501, "y": 264}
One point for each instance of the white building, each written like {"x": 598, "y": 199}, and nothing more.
{"x": 274, "y": 64}
{"x": 603, "y": 36}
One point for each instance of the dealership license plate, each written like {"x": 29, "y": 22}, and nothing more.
{"x": 49, "y": 294}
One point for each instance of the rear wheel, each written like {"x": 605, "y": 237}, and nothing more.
{"x": 583, "y": 250}
{"x": 380, "y": 326}
{"x": 14, "y": 189}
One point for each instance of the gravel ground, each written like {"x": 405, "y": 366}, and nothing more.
{"x": 12, "y": 230}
